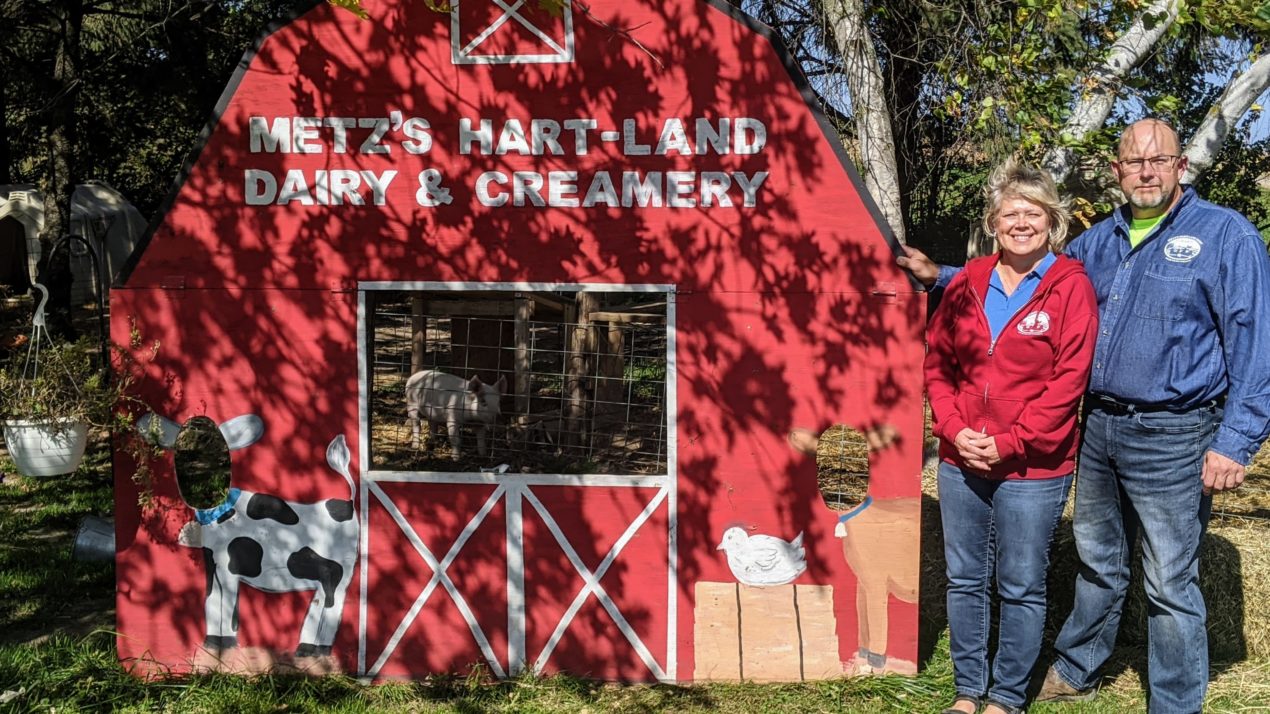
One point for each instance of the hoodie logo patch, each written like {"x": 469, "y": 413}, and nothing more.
{"x": 1036, "y": 323}
{"x": 1182, "y": 249}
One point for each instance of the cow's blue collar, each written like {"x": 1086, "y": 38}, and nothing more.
{"x": 868, "y": 501}
{"x": 208, "y": 516}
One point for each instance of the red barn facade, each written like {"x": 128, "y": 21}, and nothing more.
{"x": 505, "y": 160}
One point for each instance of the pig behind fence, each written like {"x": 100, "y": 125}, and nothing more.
{"x": 446, "y": 399}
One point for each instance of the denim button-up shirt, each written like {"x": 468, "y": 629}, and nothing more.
{"x": 1184, "y": 317}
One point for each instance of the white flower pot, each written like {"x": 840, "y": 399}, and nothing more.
{"x": 42, "y": 449}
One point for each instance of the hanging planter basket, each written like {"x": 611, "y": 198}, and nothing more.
{"x": 47, "y": 403}
{"x": 47, "y": 448}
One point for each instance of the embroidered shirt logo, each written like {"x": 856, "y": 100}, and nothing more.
{"x": 1036, "y": 323}
{"x": 1182, "y": 249}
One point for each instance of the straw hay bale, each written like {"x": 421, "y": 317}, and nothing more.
{"x": 1260, "y": 466}
{"x": 842, "y": 467}
{"x": 1235, "y": 577}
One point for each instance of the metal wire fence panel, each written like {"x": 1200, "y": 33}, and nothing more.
{"x": 579, "y": 381}
{"x": 842, "y": 465}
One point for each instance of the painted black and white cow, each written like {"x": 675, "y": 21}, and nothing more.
{"x": 271, "y": 544}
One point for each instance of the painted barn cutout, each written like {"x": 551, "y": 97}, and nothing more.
{"x": 522, "y": 330}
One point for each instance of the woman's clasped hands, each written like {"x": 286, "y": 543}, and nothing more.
{"x": 977, "y": 450}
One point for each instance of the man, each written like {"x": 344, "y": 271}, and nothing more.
{"x": 1178, "y": 403}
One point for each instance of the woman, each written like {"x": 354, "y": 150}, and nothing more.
{"x": 1009, "y": 358}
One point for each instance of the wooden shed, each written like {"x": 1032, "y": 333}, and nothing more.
{"x": 625, "y": 232}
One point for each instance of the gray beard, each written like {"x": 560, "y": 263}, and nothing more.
{"x": 1146, "y": 205}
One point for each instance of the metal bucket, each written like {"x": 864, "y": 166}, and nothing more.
{"x": 95, "y": 539}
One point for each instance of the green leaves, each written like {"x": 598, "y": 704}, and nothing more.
{"x": 1166, "y": 104}
{"x": 68, "y": 384}
{"x": 555, "y": 8}
{"x": 1231, "y": 18}
{"x": 353, "y": 6}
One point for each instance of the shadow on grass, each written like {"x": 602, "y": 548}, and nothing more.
{"x": 45, "y": 591}
{"x": 84, "y": 675}
{"x": 56, "y": 670}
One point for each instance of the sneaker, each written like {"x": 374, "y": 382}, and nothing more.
{"x": 1056, "y": 689}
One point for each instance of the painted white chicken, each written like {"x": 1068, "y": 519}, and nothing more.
{"x": 762, "y": 559}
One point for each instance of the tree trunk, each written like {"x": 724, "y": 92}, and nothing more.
{"x": 61, "y": 181}
{"x": 1224, "y": 115}
{"x": 13, "y": 17}
{"x": 869, "y": 107}
{"x": 6, "y": 155}
{"x": 903, "y": 82}
{"x": 1097, "y": 90}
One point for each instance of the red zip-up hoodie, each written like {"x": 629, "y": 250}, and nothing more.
{"x": 1023, "y": 389}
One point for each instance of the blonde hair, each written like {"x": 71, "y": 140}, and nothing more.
{"x": 1014, "y": 179}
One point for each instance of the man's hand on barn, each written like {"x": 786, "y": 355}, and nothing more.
{"x": 921, "y": 266}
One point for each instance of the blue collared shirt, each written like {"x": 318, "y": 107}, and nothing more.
{"x": 1000, "y": 307}
{"x": 1184, "y": 317}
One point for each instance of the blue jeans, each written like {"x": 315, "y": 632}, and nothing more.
{"x": 1141, "y": 474}
{"x": 1009, "y": 525}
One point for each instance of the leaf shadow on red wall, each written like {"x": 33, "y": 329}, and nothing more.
{"x": 788, "y": 313}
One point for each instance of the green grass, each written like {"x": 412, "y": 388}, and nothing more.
{"x": 81, "y": 675}
{"x": 42, "y": 590}
{"x": 40, "y": 585}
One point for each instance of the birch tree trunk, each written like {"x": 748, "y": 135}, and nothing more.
{"x": 1098, "y": 88}
{"x": 1223, "y": 115}
{"x": 869, "y": 107}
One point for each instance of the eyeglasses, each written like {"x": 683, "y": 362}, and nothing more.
{"x": 1158, "y": 163}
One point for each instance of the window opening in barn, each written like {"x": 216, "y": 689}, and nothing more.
{"x": 842, "y": 467}
{"x": 580, "y": 378}
{"x": 202, "y": 463}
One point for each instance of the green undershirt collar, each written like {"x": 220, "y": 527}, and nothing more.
{"x": 1140, "y": 228}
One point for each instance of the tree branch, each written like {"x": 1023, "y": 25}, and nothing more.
{"x": 1225, "y": 113}
{"x": 1096, "y": 90}
{"x": 624, "y": 33}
